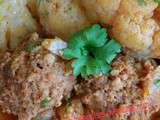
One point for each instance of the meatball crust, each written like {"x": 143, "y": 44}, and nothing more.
{"x": 34, "y": 81}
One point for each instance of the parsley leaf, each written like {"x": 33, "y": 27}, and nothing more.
{"x": 107, "y": 52}
{"x": 157, "y": 82}
{"x": 74, "y": 53}
{"x": 87, "y": 65}
{"x": 141, "y": 2}
{"x": 94, "y": 36}
{"x": 44, "y": 103}
{"x": 29, "y": 47}
{"x": 92, "y": 51}
{"x": 158, "y": 1}
{"x": 67, "y": 103}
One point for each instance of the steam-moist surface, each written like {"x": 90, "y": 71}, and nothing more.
{"x": 15, "y": 23}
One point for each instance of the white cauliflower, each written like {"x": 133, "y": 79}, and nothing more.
{"x": 15, "y": 23}
{"x": 135, "y": 28}
{"x": 102, "y": 11}
{"x": 61, "y": 17}
{"x": 134, "y": 32}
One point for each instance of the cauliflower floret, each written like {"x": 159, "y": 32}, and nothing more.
{"x": 134, "y": 32}
{"x": 61, "y": 17}
{"x": 101, "y": 11}
{"x": 35, "y": 80}
{"x": 13, "y": 25}
{"x": 134, "y": 27}
{"x": 133, "y": 7}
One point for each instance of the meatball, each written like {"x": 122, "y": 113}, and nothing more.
{"x": 13, "y": 25}
{"x": 34, "y": 80}
{"x": 129, "y": 84}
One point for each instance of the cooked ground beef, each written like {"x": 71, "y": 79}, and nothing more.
{"x": 33, "y": 81}
{"x": 129, "y": 83}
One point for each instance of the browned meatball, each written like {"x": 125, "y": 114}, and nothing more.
{"x": 34, "y": 80}
{"x": 129, "y": 84}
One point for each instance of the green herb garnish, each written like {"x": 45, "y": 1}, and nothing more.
{"x": 67, "y": 103}
{"x": 157, "y": 82}
{"x": 158, "y": 1}
{"x": 45, "y": 14}
{"x": 92, "y": 51}
{"x": 29, "y": 47}
{"x": 141, "y": 2}
{"x": 38, "y": 117}
{"x": 44, "y": 103}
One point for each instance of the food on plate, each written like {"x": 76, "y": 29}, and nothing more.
{"x": 34, "y": 80}
{"x": 15, "y": 23}
{"x": 86, "y": 59}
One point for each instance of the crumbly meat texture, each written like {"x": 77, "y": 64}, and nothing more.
{"x": 127, "y": 84}
{"x": 32, "y": 81}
